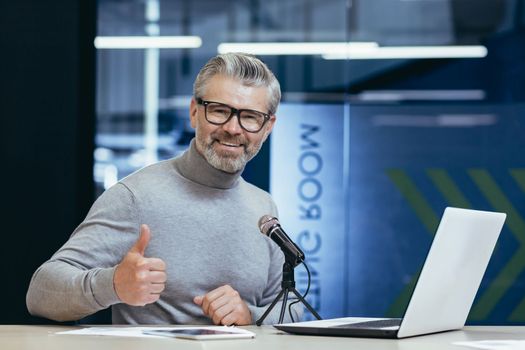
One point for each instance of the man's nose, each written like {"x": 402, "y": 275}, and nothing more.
{"x": 232, "y": 126}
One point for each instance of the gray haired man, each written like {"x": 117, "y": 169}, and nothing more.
{"x": 177, "y": 242}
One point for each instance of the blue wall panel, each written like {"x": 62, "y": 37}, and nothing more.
{"x": 307, "y": 182}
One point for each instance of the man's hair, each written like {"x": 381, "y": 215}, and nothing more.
{"x": 248, "y": 69}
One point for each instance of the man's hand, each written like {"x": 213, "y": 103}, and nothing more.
{"x": 139, "y": 280}
{"x": 225, "y": 306}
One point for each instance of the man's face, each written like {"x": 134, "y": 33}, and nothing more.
{"x": 228, "y": 147}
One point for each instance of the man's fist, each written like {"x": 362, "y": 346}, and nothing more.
{"x": 139, "y": 280}
{"x": 225, "y": 306}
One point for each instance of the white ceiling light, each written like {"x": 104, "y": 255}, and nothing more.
{"x": 420, "y": 95}
{"x": 410, "y": 52}
{"x": 354, "y": 50}
{"x": 294, "y": 48}
{"x": 147, "y": 42}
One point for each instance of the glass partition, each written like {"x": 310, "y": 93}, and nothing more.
{"x": 392, "y": 110}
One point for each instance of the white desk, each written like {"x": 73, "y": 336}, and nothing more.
{"x": 268, "y": 338}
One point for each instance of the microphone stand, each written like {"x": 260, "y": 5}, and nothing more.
{"x": 287, "y": 285}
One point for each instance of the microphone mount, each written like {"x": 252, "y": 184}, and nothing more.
{"x": 293, "y": 256}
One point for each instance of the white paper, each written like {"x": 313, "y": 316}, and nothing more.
{"x": 137, "y": 331}
{"x": 494, "y": 344}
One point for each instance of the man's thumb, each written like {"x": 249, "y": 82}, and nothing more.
{"x": 142, "y": 242}
{"x": 198, "y": 300}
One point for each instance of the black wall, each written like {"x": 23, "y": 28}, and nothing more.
{"x": 47, "y": 99}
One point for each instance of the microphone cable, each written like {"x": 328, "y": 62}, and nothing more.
{"x": 304, "y": 295}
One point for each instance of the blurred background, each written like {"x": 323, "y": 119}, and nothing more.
{"x": 392, "y": 110}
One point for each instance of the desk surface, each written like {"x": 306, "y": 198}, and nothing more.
{"x": 268, "y": 338}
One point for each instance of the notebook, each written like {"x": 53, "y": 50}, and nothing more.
{"x": 445, "y": 289}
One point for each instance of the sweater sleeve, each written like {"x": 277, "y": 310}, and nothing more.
{"x": 78, "y": 279}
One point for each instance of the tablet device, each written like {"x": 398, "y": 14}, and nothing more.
{"x": 201, "y": 333}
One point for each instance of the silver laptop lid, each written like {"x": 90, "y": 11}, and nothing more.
{"x": 452, "y": 272}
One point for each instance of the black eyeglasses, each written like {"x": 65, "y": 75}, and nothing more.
{"x": 219, "y": 113}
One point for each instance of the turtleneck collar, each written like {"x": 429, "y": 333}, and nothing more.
{"x": 193, "y": 166}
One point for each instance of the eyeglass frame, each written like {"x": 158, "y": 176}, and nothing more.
{"x": 233, "y": 111}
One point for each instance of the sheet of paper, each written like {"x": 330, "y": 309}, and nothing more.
{"x": 494, "y": 344}
{"x": 138, "y": 331}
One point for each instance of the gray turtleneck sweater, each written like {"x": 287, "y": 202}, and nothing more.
{"x": 204, "y": 226}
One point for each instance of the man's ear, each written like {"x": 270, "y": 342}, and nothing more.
{"x": 193, "y": 112}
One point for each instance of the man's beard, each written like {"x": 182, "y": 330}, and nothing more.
{"x": 227, "y": 162}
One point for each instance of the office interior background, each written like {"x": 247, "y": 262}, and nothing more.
{"x": 392, "y": 110}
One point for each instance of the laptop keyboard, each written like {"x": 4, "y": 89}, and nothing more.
{"x": 392, "y": 322}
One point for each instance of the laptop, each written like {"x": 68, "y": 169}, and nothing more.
{"x": 445, "y": 289}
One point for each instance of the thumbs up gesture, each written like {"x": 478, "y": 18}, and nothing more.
{"x": 139, "y": 280}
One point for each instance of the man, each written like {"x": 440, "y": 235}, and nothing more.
{"x": 177, "y": 242}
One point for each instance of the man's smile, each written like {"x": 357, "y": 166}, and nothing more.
{"x": 230, "y": 144}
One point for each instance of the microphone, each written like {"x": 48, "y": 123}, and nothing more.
{"x": 269, "y": 226}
